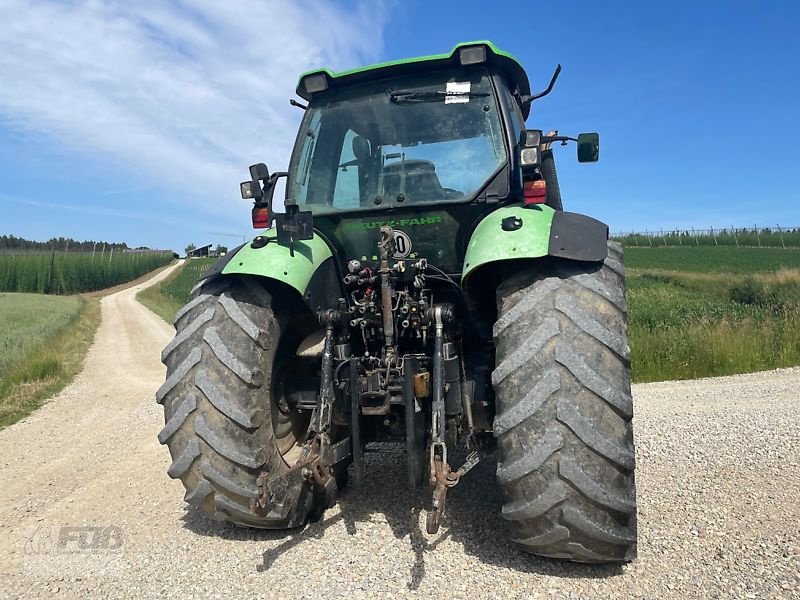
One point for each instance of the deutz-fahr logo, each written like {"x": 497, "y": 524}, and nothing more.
{"x": 393, "y": 223}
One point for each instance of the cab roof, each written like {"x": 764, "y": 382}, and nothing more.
{"x": 463, "y": 54}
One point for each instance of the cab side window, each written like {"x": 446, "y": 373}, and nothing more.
{"x": 512, "y": 108}
{"x": 346, "y": 193}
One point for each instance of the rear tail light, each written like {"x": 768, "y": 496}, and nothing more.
{"x": 260, "y": 217}
{"x": 534, "y": 192}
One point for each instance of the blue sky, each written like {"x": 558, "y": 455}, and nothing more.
{"x": 136, "y": 121}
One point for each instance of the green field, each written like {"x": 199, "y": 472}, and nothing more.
{"x": 28, "y": 320}
{"x": 167, "y": 297}
{"x": 694, "y": 311}
{"x": 716, "y": 259}
{"x": 698, "y": 312}
{"x": 43, "y": 340}
{"x": 58, "y": 272}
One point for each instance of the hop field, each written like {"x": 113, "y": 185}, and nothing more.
{"x": 766, "y": 237}
{"x": 74, "y": 272}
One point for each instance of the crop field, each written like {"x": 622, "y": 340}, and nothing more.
{"x": 27, "y": 320}
{"x": 778, "y": 237}
{"x": 713, "y": 259}
{"x": 694, "y": 311}
{"x": 43, "y": 340}
{"x": 167, "y": 297}
{"x": 707, "y": 311}
{"x": 60, "y": 272}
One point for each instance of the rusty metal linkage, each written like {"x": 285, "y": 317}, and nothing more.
{"x": 442, "y": 479}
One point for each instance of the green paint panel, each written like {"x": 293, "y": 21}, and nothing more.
{"x": 416, "y": 59}
{"x": 490, "y": 243}
{"x": 273, "y": 261}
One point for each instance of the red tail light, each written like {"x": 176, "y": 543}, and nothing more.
{"x": 534, "y": 192}
{"x": 260, "y": 217}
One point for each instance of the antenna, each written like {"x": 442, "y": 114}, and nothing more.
{"x": 529, "y": 99}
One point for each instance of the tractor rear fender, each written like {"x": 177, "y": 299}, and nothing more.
{"x": 535, "y": 231}
{"x": 311, "y": 272}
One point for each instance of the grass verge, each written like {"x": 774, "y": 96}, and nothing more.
{"x": 710, "y": 348}
{"x": 168, "y": 296}
{"x": 156, "y": 300}
{"x": 46, "y": 367}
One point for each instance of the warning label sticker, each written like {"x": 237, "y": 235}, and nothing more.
{"x": 457, "y": 92}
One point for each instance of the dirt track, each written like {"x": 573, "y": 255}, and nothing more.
{"x": 718, "y": 483}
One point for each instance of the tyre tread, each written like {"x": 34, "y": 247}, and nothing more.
{"x": 226, "y": 448}
{"x": 185, "y": 459}
{"x": 218, "y": 430}
{"x": 564, "y": 411}
{"x": 178, "y": 418}
{"x": 252, "y": 377}
{"x": 225, "y": 404}
{"x": 178, "y": 374}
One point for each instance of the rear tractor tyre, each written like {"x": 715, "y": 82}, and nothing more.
{"x": 564, "y": 411}
{"x": 225, "y": 423}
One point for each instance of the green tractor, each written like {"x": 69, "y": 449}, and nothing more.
{"x": 424, "y": 287}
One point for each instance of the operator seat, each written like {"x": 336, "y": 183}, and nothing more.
{"x": 415, "y": 178}
{"x": 367, "y": 169}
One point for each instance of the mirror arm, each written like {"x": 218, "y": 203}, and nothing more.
{"x": 268, "y": 192}
{"x": 269, "y": 185}
{"x": 294, "y": 102}
{"x": 558, "y": 138}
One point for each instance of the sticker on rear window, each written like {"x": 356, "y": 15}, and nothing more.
{"x": 457, "y": 92}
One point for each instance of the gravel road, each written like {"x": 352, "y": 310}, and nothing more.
{"x": 718, "y": 490}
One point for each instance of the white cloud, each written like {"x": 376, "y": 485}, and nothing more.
{"x": 186, "y": 93}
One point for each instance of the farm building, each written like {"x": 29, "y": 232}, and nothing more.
{"x": 201, "y": 252}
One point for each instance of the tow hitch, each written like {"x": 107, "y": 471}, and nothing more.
{"x": 441, "y": 477}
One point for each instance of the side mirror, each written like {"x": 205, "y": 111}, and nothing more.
{"x": 259, "y": 172}
{"x": 529, "y": 141}
{"x": 261, "y": 196}
{"x": 588, "y": 147}
{"x": 251, "y": 190}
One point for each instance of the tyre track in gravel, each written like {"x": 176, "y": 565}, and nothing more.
{"x": 718, "y": 474}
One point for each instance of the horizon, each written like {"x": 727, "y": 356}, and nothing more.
{"x": 136, "y": 123}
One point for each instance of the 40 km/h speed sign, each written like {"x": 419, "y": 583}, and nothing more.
{"x": 402, "y": 244}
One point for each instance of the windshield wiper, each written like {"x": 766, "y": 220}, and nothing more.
{"x": 412, "y": 96}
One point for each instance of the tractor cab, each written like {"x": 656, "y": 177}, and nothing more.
{"x": 399, "y": 141}
{"x": 439, "y": 140}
